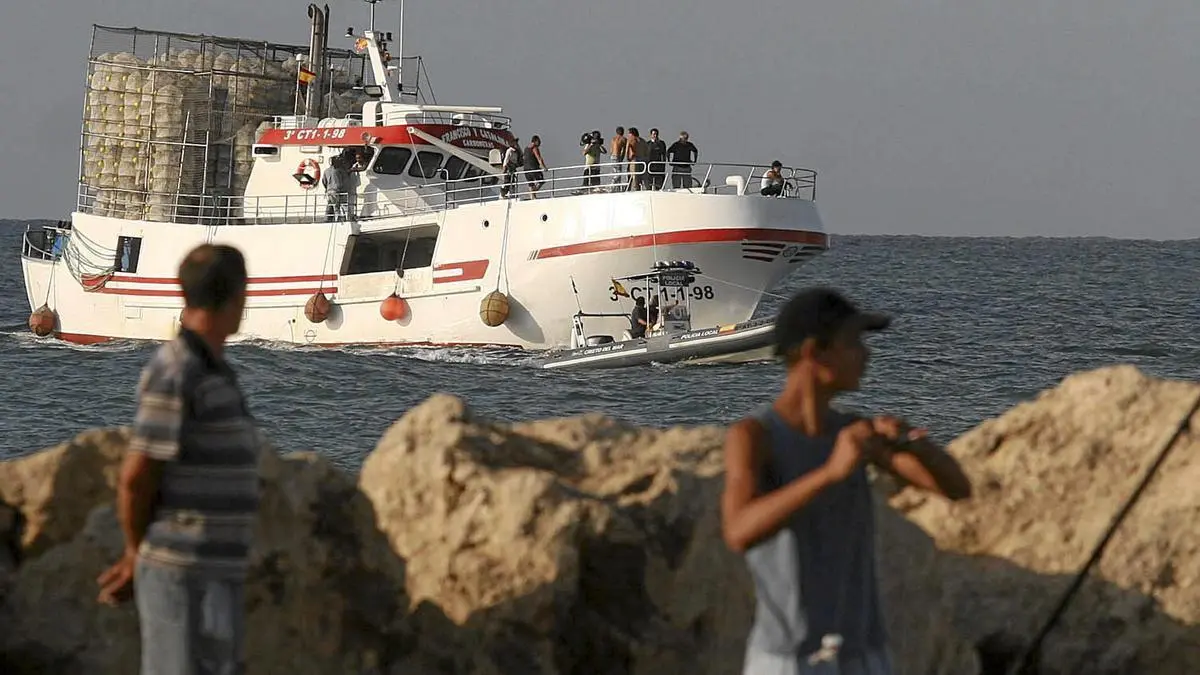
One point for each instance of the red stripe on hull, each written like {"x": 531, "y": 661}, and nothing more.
{"x": 252, "y": 293}
{"x": 707, "y": 236}
{"x": 84, "y": 339}
{"x": 80, "y": 339}
{"x": 472, "y": 270}
{"x": 131, "y": 279}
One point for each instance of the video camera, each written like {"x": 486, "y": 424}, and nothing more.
{"x": 589, "y": 138}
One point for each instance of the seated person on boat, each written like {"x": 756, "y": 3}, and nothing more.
{"x": 772, "y": 181}
{"x": 638, "y": 319}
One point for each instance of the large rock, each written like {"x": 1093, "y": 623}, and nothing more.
{"x": 325, "y": 594}
{"x": 586, "y": 545}
{"x": 1050, "y": 475}
{"x": 566, "y": 546}
{"x": 47, "y": 496}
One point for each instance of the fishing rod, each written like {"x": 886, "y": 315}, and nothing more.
{"x": 1024, "y": 664}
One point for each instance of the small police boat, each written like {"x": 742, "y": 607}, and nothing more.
{"x": 671, "y": 337}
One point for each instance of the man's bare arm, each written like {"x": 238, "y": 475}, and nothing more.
{"x": 746, "y": 517}
{"x": 921, "y": 462}
{"x": 136, "y": 490}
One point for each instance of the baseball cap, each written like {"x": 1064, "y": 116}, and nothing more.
{"x": 817, "y": 312}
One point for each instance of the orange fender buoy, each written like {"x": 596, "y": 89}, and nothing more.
{"x": 317, "y": 308}
{"x": 393, "y": 308}
{"x": 493, "y": 309}
{"x": 42, "y": 321}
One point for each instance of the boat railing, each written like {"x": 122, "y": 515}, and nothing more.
{"x": 451, "y": 118}
{"x": 401, "y": 118}
{"x": 417, "y": 199}
{"x": 45, "y": 242}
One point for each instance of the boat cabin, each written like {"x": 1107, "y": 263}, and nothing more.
{"x": 393, "y": 152}
{"x": 668, "y": 309}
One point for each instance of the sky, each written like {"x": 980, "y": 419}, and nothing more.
{"x": 971, "y": 117}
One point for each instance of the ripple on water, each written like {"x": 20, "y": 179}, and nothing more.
{"x": 981, "y": 324}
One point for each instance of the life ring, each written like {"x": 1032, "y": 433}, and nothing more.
{"x": 308, "y": 174}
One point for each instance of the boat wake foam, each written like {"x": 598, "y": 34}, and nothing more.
{"x": 27, "y": 340}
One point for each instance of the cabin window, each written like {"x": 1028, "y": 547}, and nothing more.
{"x": 350, "y": 154}
{"x": 128, "y": 251}
{"x": 426, "y": 165}
{"x": 392, "y": 161}
{"x": 391, "y": 251}
{"x": 455, "y": 167}
{"x": 266, "y": 150}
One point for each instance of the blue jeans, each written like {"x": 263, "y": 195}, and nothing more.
{"x": 191, "y": 624}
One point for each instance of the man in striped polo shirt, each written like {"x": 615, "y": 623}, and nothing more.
{"x": 188, "y": 492}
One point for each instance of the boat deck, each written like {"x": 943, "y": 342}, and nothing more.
{"x": 714, "y": 178}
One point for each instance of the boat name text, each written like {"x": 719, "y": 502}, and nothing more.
{"x": 668, "y": 294}
{"x": 700, "y": 333}
{"x": 325, "y": 134}
{"x": 473, "y": 137}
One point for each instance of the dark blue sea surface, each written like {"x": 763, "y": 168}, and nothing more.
{"x": 981, "y": 324}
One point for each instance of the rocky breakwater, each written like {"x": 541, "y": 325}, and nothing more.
{"x": 584, "y": 545}
{"x": 1050, "y": 475}
{"x": 577, "y": 545}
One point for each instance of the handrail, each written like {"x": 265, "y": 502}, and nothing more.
{"x": 400, "y": 118}
{"x": 52, "y": 233}
{"x": 434, "y": 197}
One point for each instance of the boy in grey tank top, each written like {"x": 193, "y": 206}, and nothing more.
{"x": 798, "y": 505}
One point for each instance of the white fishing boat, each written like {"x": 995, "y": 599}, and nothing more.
{"x": 667, "y": 336}
{"x": 188, "y": 139}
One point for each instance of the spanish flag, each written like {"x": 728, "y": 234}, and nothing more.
{"x": 306, "y": 75}
{"x": 619, "y": 289}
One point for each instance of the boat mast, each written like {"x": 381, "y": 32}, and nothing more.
{"x": 379, "y": 69}
{"x": 400, "y": 48}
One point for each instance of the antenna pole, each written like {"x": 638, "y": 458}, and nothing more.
{"x": 400, "y": 51}
{"x": 577, "y": 301}
{"x": 400, "y": 36}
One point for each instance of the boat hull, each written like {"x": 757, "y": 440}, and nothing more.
{"x": 743, "y": 342}
{"x": 549, "y": 257}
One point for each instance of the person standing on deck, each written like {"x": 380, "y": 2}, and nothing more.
{"x": 591, "y": 156}
{"x": 616, "y": 155}
{"x": 637, "y": 152}
{"x": 682, "y": 155}
{"x": 798, "y": 504}
{"x": 188, "y": 492}
{"x": 534, "y": 166}
{"x": 657, "y": 159}
{"x": 511, "y": 162}
{"x": 336, "y": 182}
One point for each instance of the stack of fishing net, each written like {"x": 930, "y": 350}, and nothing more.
{"x": 147, "y": 123}
{"x": 160, "y": 132}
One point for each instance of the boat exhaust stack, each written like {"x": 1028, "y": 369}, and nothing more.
{"x": 318, "y": 41}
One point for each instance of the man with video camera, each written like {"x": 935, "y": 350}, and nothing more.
{"x": 592, "y": 145}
